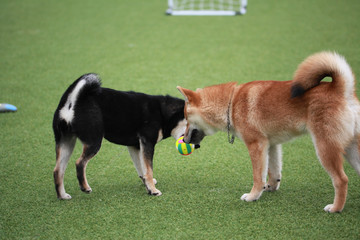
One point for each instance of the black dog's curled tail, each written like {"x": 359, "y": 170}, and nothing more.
{"x": 86, "y": 85}
{"x": 92, "y": 85}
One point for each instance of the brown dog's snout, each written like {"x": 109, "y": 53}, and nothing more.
{"x": 187, "y": 137}
{"x": 193, "y": 136}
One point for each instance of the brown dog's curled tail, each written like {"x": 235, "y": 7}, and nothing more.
{"x": 318, "y": 66}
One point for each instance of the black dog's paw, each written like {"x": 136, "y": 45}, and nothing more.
{"x": 197, "y": 146}
{"x": 86, "y": 190}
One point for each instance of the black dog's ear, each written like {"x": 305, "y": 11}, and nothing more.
{"x": 171, "y": 107}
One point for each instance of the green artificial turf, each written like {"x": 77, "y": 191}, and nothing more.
{"x": 46, "y": 44}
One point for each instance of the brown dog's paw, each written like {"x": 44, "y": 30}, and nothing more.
{"x": 272, "y": 186}
{"x": 154, "y": 193}
{"x": 331, "y": 209}
{"x": 247, "y": 197}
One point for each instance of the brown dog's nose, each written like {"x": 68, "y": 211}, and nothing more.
{"x": 186, "y": 139}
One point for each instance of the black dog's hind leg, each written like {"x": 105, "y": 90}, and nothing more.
{"x": 64, "y": 149}
{"x": 89, "y": 151}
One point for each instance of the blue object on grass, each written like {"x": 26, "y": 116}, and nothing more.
{"x": 5, "y": 107}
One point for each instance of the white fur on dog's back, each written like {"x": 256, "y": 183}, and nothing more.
{"x": 67, "y": 111}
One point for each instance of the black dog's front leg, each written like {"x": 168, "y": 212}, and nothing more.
{"x": 146, "y": 161}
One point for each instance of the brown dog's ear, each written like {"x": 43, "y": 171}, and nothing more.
{"x": 188, "y": 94}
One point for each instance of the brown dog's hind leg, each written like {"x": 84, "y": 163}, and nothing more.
{"x": 88, "y": 153}
{"x": 331, "y": 158}
{"x": 353, "y": 154}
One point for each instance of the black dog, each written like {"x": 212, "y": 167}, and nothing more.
{"x": 89, "y": 112}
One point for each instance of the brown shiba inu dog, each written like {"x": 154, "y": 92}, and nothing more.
{"x": 264, "y": 114}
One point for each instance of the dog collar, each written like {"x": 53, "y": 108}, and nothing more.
{"x": 232, "y": 139}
